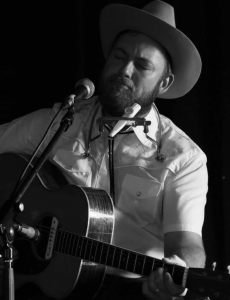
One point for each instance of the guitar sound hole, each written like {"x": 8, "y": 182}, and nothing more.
{"x": 31, "y": 254}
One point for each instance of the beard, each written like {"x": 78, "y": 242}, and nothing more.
{"x": 116, "y": 93}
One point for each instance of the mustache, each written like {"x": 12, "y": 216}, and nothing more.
{"x": 121, "y": 80}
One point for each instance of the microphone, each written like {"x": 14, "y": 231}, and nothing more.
{"x": 129, "y": 113}
{"x": 84, "y": 89}
{"x": 27, "y": 231}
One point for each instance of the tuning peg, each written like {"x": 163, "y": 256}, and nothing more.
{"x": 228, "y": 268}
{"x": 214, "y": 266}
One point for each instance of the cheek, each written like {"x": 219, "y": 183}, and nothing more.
{"x": 109, "y": 68}
{"x": 140, "y": 83}
{"x": 150, "y": 83}
{"x": 143, "y": 87}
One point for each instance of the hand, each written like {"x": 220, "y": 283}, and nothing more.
{"x": 160, "y": 286}
{"x": 2, "y": 267}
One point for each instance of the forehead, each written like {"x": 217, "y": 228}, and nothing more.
{"x": 140, "y": 45}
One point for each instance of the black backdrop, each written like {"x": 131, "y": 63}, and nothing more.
{"x": 46, "y": 46}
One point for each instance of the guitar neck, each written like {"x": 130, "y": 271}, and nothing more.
{"x": 113, "y": 256}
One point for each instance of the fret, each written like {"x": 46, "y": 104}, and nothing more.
{"x": 61, "y": 241}
{"x": 117, "y": 257}
{"x": 127, "y": 260}
{"x": 185, "y": 276}
{"x": 68, "y": 239}
{"x": 72, "y": 245}
{"x": 158, "y": 264}
{"x": 131, "y": 262}
{"x": 110, "y": 256}
{"x": 135, "y": 262}
{"x": 93, "y": 251}
{"x": 87, "y": 247}
{"x": 84, "y": 248}
{"x": 64, "y": 242}
{"x": 104, "y": 252}
{"x": 75, "y": 245}
{"x": 142, "y": 271}
{"x": 69, "y": 243}
{"x": 148, "y": 265}
{"x": 124, "y": 259}
{"x": 79, "y": 246}
{"x": 109, "y": 246}
{"x": 177, "y": 273}
{"x": 139, "y": 264}
{"x": 98, "y": 252}
{"x": 172, "y": 269}
{"x": 58, "y": 241}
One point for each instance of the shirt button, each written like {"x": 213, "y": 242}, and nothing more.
{"x": 138, "y": 194}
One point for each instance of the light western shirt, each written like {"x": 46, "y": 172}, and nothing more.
{"x": 152, "y": 197}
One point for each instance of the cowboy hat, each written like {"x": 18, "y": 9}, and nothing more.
{"x": 156, "y": 20}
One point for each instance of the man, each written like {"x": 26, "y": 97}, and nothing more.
{"x": 160, "y": 177}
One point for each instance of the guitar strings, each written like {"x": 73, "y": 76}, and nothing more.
{"x": 45, "y": 230}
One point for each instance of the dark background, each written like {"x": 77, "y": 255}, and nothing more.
{"x": 46, "y": 46}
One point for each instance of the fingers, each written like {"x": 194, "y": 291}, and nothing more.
{"x": 170, "y": 285}
{"x": 154, "y": 286}
{"x": 172, "y": 288}
{"x": 149, "y": 289}
{"x": 160, "y": 286}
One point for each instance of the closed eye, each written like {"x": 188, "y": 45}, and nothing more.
{"x": 119, "y": 57}
{"x": 119, "y": 53}
{"x": 143, "y": 67}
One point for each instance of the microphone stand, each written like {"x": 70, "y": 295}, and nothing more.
{"x": 14, "y": 205}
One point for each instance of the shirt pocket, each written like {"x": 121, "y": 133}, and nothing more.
{"x": 75, "y": 164}
{"x": 139, "y": 198}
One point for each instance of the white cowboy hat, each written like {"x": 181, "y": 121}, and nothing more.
{"x": 156, "y": 20}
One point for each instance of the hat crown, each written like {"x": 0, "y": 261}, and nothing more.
{"x": 162, "y": 11}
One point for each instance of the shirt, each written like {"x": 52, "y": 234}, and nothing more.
{"x": 153, "y": 197}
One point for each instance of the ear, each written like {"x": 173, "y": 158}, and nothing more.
{"x": 165, "y": 84}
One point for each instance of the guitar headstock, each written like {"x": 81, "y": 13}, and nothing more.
{"x": 209, "y": 283}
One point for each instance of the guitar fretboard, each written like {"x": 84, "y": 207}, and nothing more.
{"x": 112, "y": 256}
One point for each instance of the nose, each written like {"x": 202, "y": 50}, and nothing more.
{"x": 127, "y": 69}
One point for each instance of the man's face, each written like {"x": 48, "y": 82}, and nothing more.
{"x": 132, "y": 74}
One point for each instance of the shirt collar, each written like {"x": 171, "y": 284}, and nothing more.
{"x": 153, "y": 129}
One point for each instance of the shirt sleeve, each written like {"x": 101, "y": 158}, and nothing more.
{"x": 23, "y": 134}
{"x": 185, "y": 197}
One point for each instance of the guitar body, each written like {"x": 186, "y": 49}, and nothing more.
{"x": 55, "y": 207}
{"x": 76, "y": 224}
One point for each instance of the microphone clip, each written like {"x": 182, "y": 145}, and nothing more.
{"x": 68, "y": 102}
{"x": 134, "y": 122}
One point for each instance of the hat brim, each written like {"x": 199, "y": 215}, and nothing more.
{"x": 185, "y": 59}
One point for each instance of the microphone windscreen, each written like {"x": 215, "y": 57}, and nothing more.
{"x": 89, "y": 86}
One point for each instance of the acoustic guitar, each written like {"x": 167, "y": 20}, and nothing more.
{"x": 74, "y": 248}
